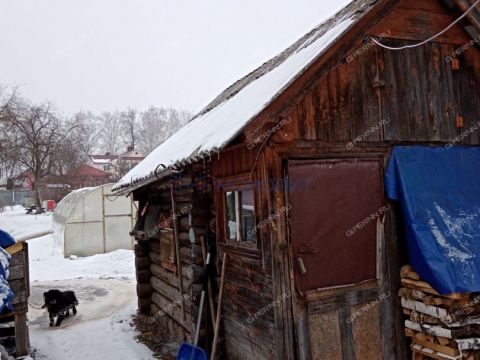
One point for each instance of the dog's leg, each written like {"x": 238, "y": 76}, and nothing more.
{"x": 74, "y": 310}
{"x": 52, "y": 318}
{"x": 67, "y": 313}
{"x": 60, "y": 319}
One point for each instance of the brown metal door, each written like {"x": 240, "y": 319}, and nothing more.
{"x": 335, "y": 205}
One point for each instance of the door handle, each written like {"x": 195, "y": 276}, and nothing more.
{"x": 301, "y": 265}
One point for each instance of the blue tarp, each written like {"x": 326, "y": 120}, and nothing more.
{"x": 6, "y": 294}
{"x": 6, "y": 239}
{"x": 439, "y": 193}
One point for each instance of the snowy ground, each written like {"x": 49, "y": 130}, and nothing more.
{"x": 104, "y": 285}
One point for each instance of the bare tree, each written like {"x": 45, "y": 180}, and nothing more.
{"x": 110, "y": 130}
{"x": 86, "y": 133}
{"x": 130, "y": 126}
{"x": 8, "y": 103}
{"x": 158, "y": 124}
{"x": 35, "y": 138}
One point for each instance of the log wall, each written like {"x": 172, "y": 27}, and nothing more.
{"x": 158, "y": 286}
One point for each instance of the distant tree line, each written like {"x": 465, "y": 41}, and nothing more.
{"x": 38, "y": 138}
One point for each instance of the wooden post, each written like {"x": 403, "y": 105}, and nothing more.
{"x": 209, "y": 282}
{"x": 219, "y": 308}
{"x": 177, "y": 250}
{"x": 22, "y": 340}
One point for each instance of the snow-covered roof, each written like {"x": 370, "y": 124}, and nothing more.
{"x": 101, "y": 161}
{"x": 225, "y": 117}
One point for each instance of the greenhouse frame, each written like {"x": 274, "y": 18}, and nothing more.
{"x": 93, "y": 221}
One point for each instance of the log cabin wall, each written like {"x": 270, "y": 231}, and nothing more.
{"x": 158, "y": 287}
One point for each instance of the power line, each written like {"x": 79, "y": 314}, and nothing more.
{"x": 429, "y": 39}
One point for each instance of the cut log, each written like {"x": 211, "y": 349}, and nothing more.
{"x": 424, "y": 318}
{"x": 144, "y": 291}
{"x": 409, "y": 332}
{"x": 155, "y": 258}
{"x": 407, "y": 272}
{"x": 431, "y": 354}
{"x": 425, "y": 287}
{"x": 425, "y": 309}
{"x": 154, "y": 245}
{"x": 141, "y": 250}
{"x": 168, "y": 325}
{"x": 144, "y": 305}
{"x": 142, "y": 263}
{"x": 191, "y": 255}
{"x": 167, "y": 308}
{"x": 468, "y": 344}
{"x": 442, "y": 341}
{"x": 169, "y": 291}
{"x": 165, "y": 275}
{"x": 193, "y": 272}
{"x": 429, "y": 329}
{"x": 424, "y": 337}
{"x": 437, "y": 347}
{"x": 143, "y": 276}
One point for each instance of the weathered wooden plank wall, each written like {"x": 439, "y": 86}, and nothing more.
{"x": 385, "y": 98}
{"x": 382, "y": 96}
{"x": 248, "y": 282}
{"x": 420, "y": 98}
{"x": 416, "y": 92}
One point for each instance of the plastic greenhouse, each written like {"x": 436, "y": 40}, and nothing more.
{"x": 93, "y": 221}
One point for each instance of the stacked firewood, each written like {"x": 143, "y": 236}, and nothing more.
{"x": 440, "y": 326}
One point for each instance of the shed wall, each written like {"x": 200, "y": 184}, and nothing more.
{"x": 361, "y": 107}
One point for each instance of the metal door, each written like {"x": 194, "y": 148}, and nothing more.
{"x": 335, "y": 206}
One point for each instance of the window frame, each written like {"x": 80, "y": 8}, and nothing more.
{"x": 230, "y": 184}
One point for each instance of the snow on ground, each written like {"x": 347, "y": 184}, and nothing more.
{"x": 46, "y": 253}
{"x": 15, "y": 221}
{"x": 100, "y": 330}
{"x": 105, "y": 288}
{"x": 47, "y": 263}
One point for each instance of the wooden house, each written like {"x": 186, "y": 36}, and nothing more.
{"x": 280, "y": 171}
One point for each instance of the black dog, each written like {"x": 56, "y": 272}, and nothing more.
{"x": 58, "y": 304}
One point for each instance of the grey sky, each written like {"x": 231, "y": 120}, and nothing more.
{"x": 110, "y": 54}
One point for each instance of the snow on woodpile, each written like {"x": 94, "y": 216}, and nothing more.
{"x": 215, "y": 126}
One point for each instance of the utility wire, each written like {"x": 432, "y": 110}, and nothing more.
{"x": 429, "y": 39}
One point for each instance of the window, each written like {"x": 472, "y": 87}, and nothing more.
{"x": 240, "y": 216}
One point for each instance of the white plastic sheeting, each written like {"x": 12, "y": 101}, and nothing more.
{"x": 93, "y": 221}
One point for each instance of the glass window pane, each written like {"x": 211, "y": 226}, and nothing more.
{"x": 231, "y": 214}
{"x": 248, "y": 216}
{"x": 240, "y": 216}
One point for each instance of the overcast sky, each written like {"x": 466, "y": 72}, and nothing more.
{"x": 110, "y": 54}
